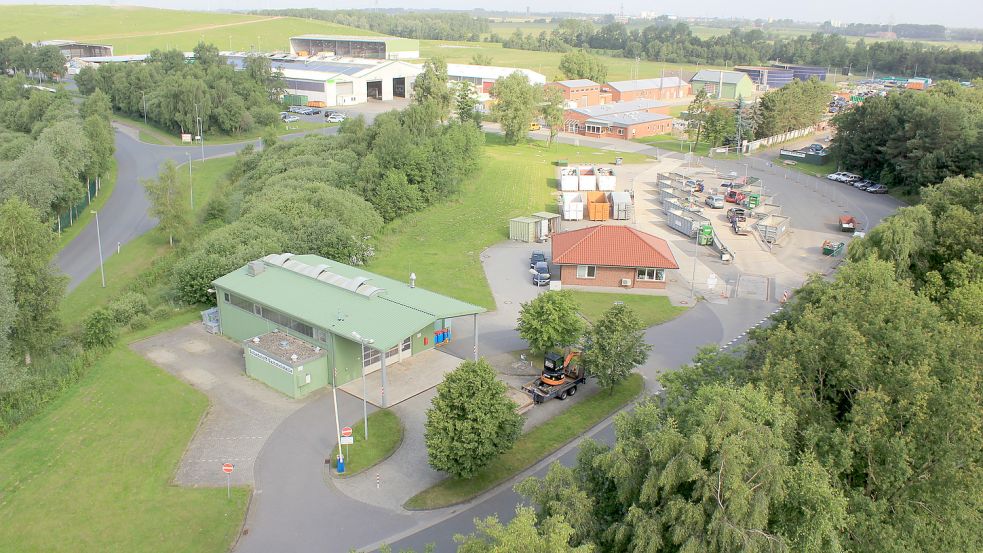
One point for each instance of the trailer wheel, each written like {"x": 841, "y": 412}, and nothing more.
{"x": 562, "y": 396}
{"x": 572, "y": 391}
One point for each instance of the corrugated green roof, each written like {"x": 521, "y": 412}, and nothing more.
{"x": 376, "y": 307}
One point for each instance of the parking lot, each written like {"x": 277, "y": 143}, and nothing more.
{"x": 368, "y": 110}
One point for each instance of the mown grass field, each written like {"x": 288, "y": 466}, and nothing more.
{"x": 92, "y": 473}
{"x": 651, "y": 310}
{"x": 442, "y": 244}
{"x": 531, "y": 447}
{"x": 137, "y": 30}
{"x": 546, "y": 63}
{"x": 385, "y": 435}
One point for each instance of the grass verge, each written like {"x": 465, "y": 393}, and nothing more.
{"x": 442, "y": 244}
{"x": 808, "y": 169}
{"x": 105, "y": 191}
{"x": 139, "y": 254}
{"x": 530, "y": 448}
{"x": 651, "y": 310}
{"x": 385, "y": 435}
{"x": 105, "y": 453}
{"x": 673, "y": 144}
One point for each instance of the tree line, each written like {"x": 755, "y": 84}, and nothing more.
{"x": 17, "y": 57}
{"x": 50, "y": 149}
{"x": 407, "y": 24}
{"x": 676, "y": 43}
{"x": 174, "y": 93}
{"x": 910, "y": 139}
{"x": 328, "y": 195}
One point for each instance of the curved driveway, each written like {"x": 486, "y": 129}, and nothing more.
{"x": 124, "y": 216}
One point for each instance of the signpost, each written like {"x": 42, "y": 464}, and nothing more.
{"x": 347, "y": 439}
{"x": 227, "y": 468}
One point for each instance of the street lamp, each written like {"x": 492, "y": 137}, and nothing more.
{"x": 144, "y": 95}
{"x": 191, "y": 187}
{"x": 365, "y": 407}
{"x": 99, "y": 242}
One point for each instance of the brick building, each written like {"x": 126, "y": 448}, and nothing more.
{"x": 612, "y": 256}
{"x": 582, "y": 92}
{"x": 627, "y": 120}
{"x": 647, "y": 89}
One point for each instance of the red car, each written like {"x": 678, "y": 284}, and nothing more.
{"x": 734, "y": 197}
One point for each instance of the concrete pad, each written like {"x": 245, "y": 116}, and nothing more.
{"x": 242, "y": 412}
{"x": 405, "y": 379}
{"x": 753, "y": 287}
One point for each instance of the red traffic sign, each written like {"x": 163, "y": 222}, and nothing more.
{"x": 227, "y": 468}
{"x": 346, "y": 431}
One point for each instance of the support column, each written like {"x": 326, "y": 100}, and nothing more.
{"x": 475, "y": 316}
{"x": 385, "y": 404}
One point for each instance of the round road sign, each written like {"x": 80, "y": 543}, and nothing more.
{"x": 346, "y": 431}
{"x": 227, "y": 468}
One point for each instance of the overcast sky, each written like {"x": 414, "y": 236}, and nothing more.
{"x": 953, "y": 13}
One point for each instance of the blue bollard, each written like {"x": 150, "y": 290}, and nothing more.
{"x": 341, "y": 465}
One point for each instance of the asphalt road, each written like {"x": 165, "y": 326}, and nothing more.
{"x": 124, "y": 216}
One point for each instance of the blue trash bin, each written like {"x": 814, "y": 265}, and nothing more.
{"x": 341, "y": 465}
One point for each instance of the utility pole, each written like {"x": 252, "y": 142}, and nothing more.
{"x": 191, "y": 187}
{"x": 337, "y": 421}
{"x": 102, "y": 270}
{"x": 144, "y": 94}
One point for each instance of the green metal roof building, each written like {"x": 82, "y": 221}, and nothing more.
{"x": 347, "y": 315}
{"x": 723, "y": 84}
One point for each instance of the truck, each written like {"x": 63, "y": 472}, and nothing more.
{"x": 848, "y": 223}
{"x": 559, "y": 379}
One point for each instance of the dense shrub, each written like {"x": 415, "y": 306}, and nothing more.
{"x": 99, "y": 329}
{"x": 126, "y": 306}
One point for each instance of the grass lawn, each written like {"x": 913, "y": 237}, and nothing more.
{"x": 138, "y": 30}
{"x": 442, "y": 244}
{"x": 531, "y": 447}
{"x": 153, "y": 134}
{"x": 673, "y": 144}
{"x": 385, "y": 435}
{"x": 808, "y": 169}
{"x": 139, "y": 254}
{"x": 652, "y": 310}
{"x": 105, "y": 191}
{"x": 92, "y": 473}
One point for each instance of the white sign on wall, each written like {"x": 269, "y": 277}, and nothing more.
{"x": 271, "y": 361}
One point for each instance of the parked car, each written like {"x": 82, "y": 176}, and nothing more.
{"x": 735, "y": 197}
{"x": 863, "y": 184}
{"x": 877, "y": 189}
{"x": 538, "y": 256}
{"x": 314, "y": 111}
{"x": 736, "y": 214}
{"x": 851, "y": 177}
{"x": 541, "y": 274}
{"x": 715, "y": 202}
{"x": 335, "y": 118}
{"x": 291, "y": 119}
{"x": 330, "y": 112}
{"x": 296, "y": 109}
{"x": 534, "y": 126}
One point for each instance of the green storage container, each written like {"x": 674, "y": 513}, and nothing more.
{"x": 295, "y": 100}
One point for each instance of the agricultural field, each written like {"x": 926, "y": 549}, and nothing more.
{"x": 133, "y": 30}
{"x": 546, "y": 63}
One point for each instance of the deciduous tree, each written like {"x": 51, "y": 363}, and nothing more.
{"x": 467, "y": 104}
{"x": 431, "y": 86}
{"x": 515, "y": 105}
{"x": 167, "y": 201}
{"x": 551, "y": 109}
{"x": 470, "y": 421}
{"x": 521, "y": 534}
{"x": 581, "y": 65}
{"x": 550, "y": 321}
{"x": 614, "y": 346}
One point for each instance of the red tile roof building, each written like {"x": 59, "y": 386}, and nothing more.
{"x": 612, "y": 256}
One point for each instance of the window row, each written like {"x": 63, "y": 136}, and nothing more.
{"x": 641, "y": 273}
{"x": 272, "y": 315}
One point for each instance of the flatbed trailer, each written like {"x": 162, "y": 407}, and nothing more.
{"x": 541, "y": 391}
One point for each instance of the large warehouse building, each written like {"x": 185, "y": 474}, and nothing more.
{"x": 340, "y": 81}
{"x": 369, "y": 47}
{"x": 73, "y": 50}
{"x": 483, "y": 77}
{"x": 303, "y": 319}
{"x": 768, "y": 77}
{"x": 647, "y": 89}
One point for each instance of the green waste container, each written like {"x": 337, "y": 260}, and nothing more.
{"x": 705, "y": 237}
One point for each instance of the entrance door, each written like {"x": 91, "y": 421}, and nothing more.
{"x": 374, "y": 90}
{"x": 399, "y": 87}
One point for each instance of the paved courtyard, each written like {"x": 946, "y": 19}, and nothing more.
{"x": 242, "y": 412}
{"x": 406, "y": 379}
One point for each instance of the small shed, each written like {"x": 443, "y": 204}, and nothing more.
{"x": 552, "y": 222}
{"x": 598, "y": 207}
{"x": 524, "y": 229}
{"x": 573, "y": 206}
{"x": 621, "y": 206}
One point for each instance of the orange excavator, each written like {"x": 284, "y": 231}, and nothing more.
{"x": 559, "y": 379}
{"x": 555, "y": 367}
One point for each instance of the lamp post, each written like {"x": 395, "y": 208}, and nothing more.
{"x": 99, "y": 242}
{"x": 144, "y": 95}
{"x": 191, "y": 187}
{"x": 365, "y": 407}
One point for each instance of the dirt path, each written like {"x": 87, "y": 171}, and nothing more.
{"x": 181, "y": 31}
